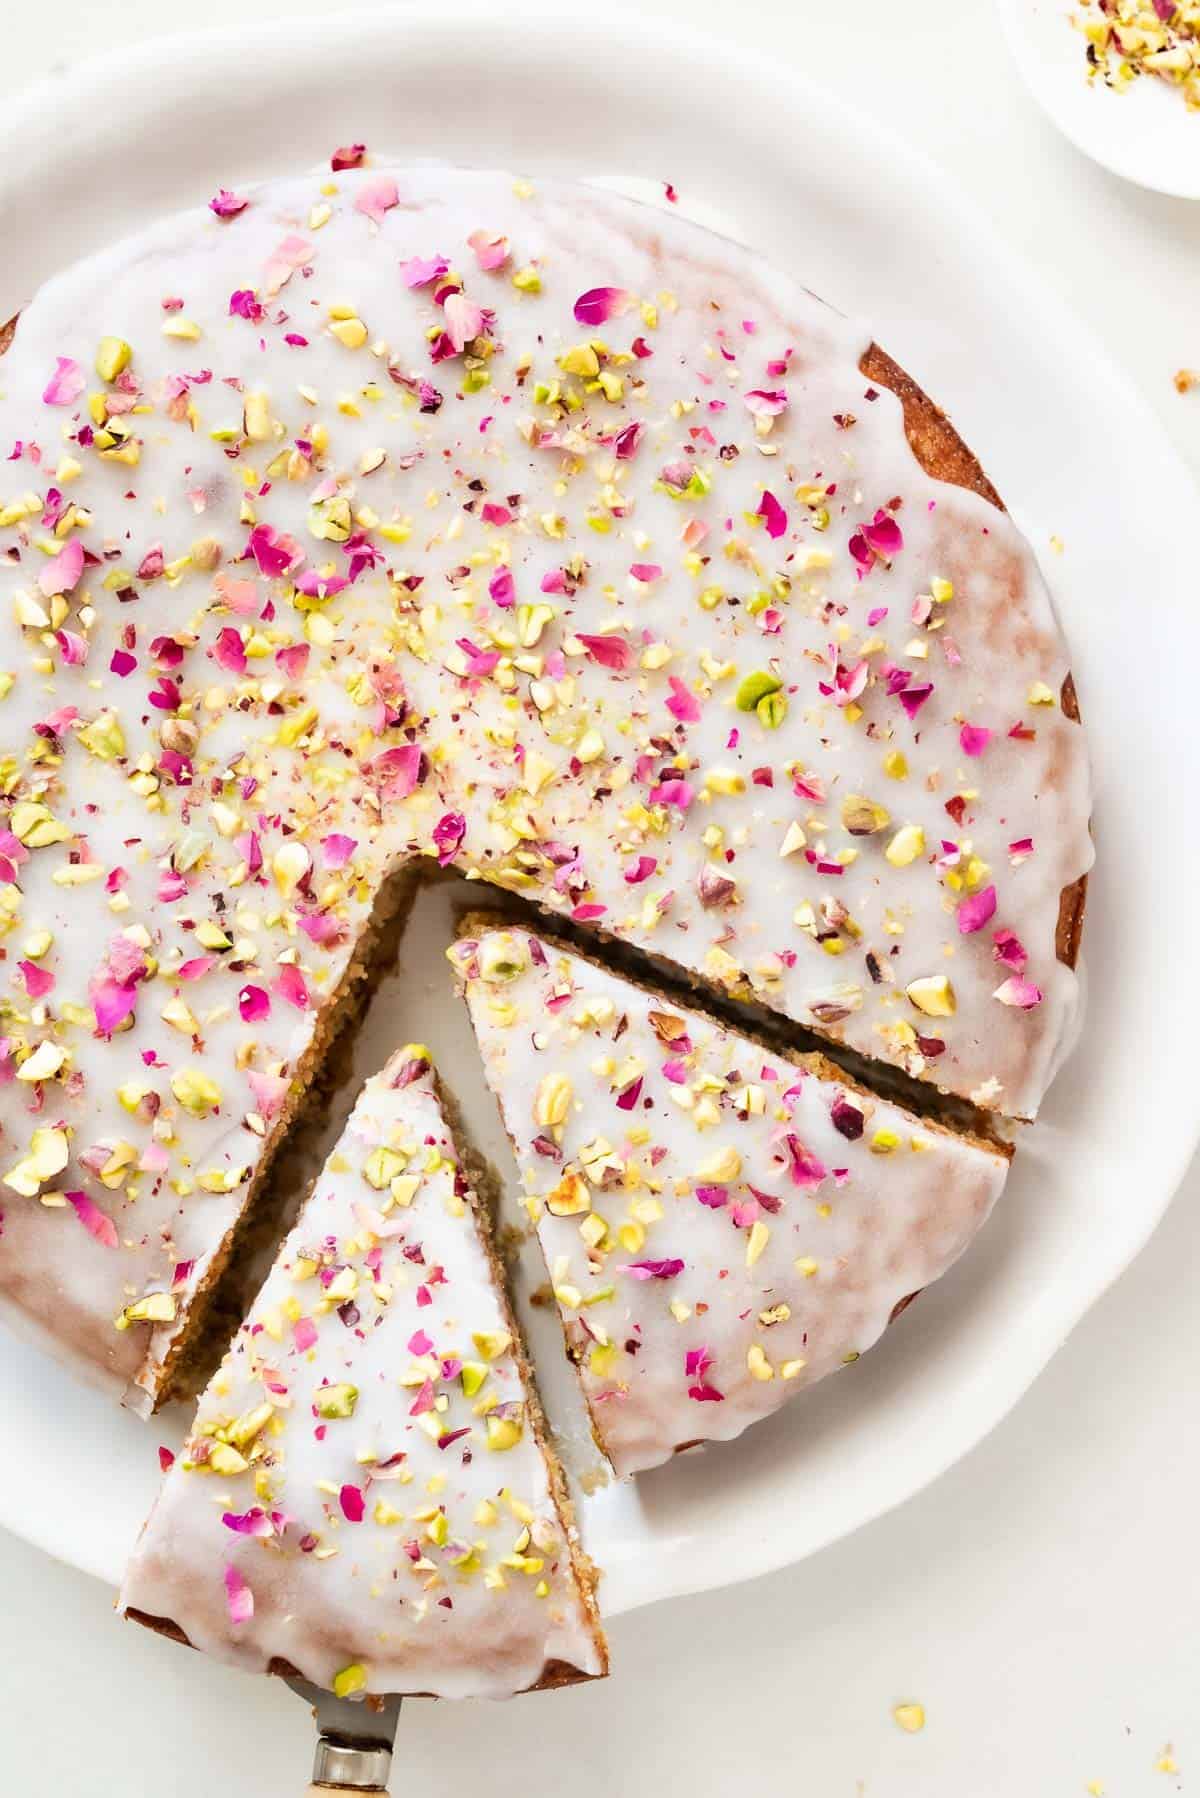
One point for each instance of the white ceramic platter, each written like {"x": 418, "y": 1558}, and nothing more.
{"x": 1147, "y": 134}
{"x": 868, "y": 224}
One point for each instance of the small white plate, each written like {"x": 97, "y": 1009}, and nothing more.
{"x": 1146, "y": 134}
{"x": 758, "y": 150}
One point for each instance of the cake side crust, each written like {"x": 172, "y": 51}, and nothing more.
{"x": 942, "y": 453}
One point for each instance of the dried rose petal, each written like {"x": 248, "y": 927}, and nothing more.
{"x": 448, "y": 834}
{"x": 491, "y": 249}
{"x": 1019, "y": 992}
{"x": 683, "y": 703}
{"x": 227, "y": 205}
{"x": 847, "y": 1119}
{"x": 94, "y": 1221}
{"x": 66, "y": 383}
{"x": 62, "y": 572}
{"x": 599, "y": 304}
{"x": 977, "y": 911}
{"x": 610, "y": 651}
{"x": 375, "y": 198}
{"x": 238, "y": 1596}
{"x": 352, "y": 1503}
{"x": 772, "y": 514}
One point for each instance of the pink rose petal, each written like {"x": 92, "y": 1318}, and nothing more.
{"x": 375, "y": 198}
{"x": 66, "y": 383}
{"x": 238, "y": 1597}
{"x": 884, "y": 535}
{"x": 1019, "y": 992}
{"x": 337, "y": 849}
{"x": 253, "y": 1522}
{"x": 1008, "y": 948}
{"x": 766, "y": 403}
{"x": 679, "y": 793}
{"x": 94, "y": 1221}
{"x": 599, "y": 304}
{"x": 491, "y": 249}
{"x": 112, "y": 1004}
{"x": 227, "y": 205}
{"x": 254, "y": 1004}
{"x": 464, "y": 321}
{"x": 270, "y": 1090}
{"x": 805, "y": 1167}
{"x": 38, "y": 981}
{"x": 913, "y": 698}
{"x": 419, "y": 271}
{"x": 772, "y": 514}
{"x": 61, "y": 573}
{"x": 976, "y": 911}
{"x": 229, "y": 652}
{"x": 399, "y": 770}
{"x": 448, "y": 834}
{"x": 610, "y": 651}
{"x": 683, "y": 703}
{"x": 196, "y": 967}
{"x": 291, "y": 987}
{"x": 283, "y": 262}
{"x": 352, "y": 1503}
{"x": 626, "y": 441}
{"x": 275, "y": 552}
{"x": 320, "y": 586}
{"x": 72, "y": 647}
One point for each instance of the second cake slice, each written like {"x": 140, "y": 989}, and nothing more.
{"x": 723, "y": 1225}
{"x": 366, "y": 1497}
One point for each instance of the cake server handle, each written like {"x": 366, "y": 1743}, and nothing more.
{"x": 340, "y": 1768}
{"x": 354, "y": 1741}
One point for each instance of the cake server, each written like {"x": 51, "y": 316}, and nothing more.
{"x": 354, "y": 1740}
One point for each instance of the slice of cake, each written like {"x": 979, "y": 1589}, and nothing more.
{"x": 367, "y": 1497}
{"x": 723, "y": 1224}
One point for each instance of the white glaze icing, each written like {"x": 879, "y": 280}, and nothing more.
{"x": 722, "y": 1226}
{"x": 176, "y": 769}
{"x": 406, "y": 1523}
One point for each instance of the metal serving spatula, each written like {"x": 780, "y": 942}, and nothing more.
{"x": 354, "y": 1741}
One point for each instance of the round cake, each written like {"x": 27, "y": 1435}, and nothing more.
{"x": 380, "y": 521}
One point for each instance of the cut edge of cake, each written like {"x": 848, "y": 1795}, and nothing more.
{"x": 185, "y": 1367}
{"x": 942, "y": 1114}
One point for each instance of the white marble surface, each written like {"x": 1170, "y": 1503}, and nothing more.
{"x": 1041, "y": 1600}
